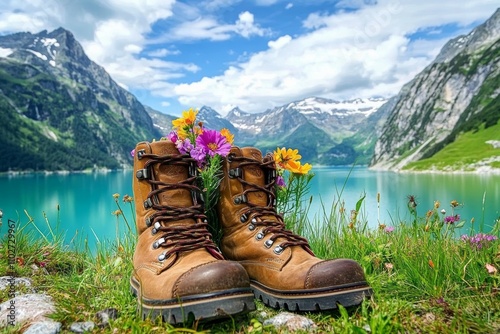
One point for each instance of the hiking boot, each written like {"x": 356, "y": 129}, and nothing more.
{"x": 283, "y": 270}
{"x": 179, "y": 273}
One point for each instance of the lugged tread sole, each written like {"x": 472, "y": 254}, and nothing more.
{"x": 203, "y": 307}
{"x": 312, "y": 299}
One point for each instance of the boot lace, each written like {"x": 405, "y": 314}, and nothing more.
{"x": 266, "y": 216}
{"x": 177, "y": 238}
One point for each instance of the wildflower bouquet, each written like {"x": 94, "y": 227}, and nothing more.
{"x": 207, "y": 147}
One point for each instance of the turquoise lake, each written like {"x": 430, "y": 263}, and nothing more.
{"x": 86, "y": 203}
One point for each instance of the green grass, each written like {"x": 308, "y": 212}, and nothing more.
{"x": 468, "y": 148}
{"x": 424, "y": 279}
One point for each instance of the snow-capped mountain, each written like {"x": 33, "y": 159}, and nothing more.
{"x": 337, "y": 118}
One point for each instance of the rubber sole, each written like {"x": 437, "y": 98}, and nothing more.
{"x": 202, "y": 307}
{"x": 312, "y": 299}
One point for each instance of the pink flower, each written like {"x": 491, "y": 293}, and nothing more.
{"x": 389, "y": 229}
{"x": 213, "y": 143}
{"x": 451, "y": 219}
{"x": 173, "y": 137}
{"x": 132, "y": 153}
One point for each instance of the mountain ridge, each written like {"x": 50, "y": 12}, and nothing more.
{"x": 454, "y": 94}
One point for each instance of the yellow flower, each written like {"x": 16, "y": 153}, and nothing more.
{"x": 297, "y": 168}
{"x": 186, "y": 121}
{"x": 229, "y": 136}
{"x": 289, "y": 159}
{"x": 282, "y": 156}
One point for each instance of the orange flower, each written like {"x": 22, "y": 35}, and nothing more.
{"x": 229, "y": 136}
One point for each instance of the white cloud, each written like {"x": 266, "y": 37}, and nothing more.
{"x": 346, "y": 54}
{"x": 280, "y": 42}
{"x": 351, "y": 49}
{"x": 159, "y": 53}
{"x": 209, "y": 28}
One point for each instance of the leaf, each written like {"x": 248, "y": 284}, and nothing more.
{"x": 491, "y": 269}
{"x": 359, "y": 202}
{"x": 461, "y": 224}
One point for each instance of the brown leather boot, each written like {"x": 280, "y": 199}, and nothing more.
{"x": 178, "y": 270}
{"x": 283, "y": 271}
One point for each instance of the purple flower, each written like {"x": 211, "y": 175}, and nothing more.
{"x": 184, "y": 146}
{"x": 213, "y": 143}
{"x": 451, "y": 219}
{"x": 280, "y": 181}
{"x": 199, "y": 154}
{"x": 132, "y": 153}
{"x": 389, "y": 229}
{"x": 173, "y": 137}
{"x": 479, "y": 240}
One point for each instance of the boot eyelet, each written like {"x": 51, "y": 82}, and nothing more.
{"x": 278, "y": 250}
{"x": 243, "y": 218}
{"x": 148, "y": 204}
{"x": 140, "y": 154}
{"x": 142, "y": 174}
{"x": 148, "y": 221}
{"x": 268, "y": 243}
{"x": 162, "y": 257}
{"x": 254, "y": 221}
{"x": 240, "y": 199}
{"x": 234, "y": 173}
{"x": 158, "y": 242}
{"x": 251, "y": 227}
{"x": 259, "y": 236}
{"x": 230, "y": 157}
{"x": 156, "y": 228}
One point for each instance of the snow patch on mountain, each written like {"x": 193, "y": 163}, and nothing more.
{"x": 49, "y": 44}
{"x": 4, "y": 52}
{"x": 313, "y": 105}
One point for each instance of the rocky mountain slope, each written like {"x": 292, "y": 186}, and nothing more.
{"x": 456, "y": 96}
{"x": 61, "y": 111}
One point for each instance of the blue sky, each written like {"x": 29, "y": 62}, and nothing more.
{"x": 254, "y": 54}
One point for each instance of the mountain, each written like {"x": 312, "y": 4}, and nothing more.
{"x": 325, "y": 131}
{"x": 61, "y": 111}
{"x": 447, "y": 117}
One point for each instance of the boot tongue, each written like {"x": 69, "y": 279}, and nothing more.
{"x": 171, "y": 174}
{"x": 255, "y": 175}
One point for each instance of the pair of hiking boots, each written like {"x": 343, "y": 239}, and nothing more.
{"x": 179, "y": 272}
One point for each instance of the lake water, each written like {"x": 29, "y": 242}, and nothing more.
{"x": 86, "y": 203}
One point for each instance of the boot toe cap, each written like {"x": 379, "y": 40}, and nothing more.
{"x": 212, "y": 277}
{"x": 334, "y": 272}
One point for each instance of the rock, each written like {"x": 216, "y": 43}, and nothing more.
{"x": 291, "y": 322}
{"x": 6, "y": 281}
{"x": 104, "y": 316}
{"x": 44, "y": 327}
{"x": 82, "y": 327}
{"x": 33, "y": 307}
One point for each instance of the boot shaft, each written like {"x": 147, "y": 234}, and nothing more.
{"x": 247, "y": 211}
{"x": 163, "y": 179}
